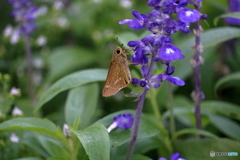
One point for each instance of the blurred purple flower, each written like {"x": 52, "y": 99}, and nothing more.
{"x": 174, "y": 156}
{"x": 123, "y": 121}
{"x": 234, "y": 6}
{"x": 25, "y": 14}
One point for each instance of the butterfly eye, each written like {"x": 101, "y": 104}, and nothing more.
{"x": 118, "y": 51}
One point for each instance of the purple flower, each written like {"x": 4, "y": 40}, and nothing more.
{"x": 139, "y": 57}
{"x": 24, "y": 14}
{"x": 123, "y": 121}
{"x": 169, "y": 52}
{"x": 158, "y": 44}
{"x": 163, "y": 77}
{"x": 174, "y": 156}
{"x": 188, "y": 15}
{"x": 234, "y": 6}
{"x": 135, "y": 81}
{"x": 167, "y": 76}
{"x": 135, "y": 23}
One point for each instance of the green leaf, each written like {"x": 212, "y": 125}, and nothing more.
{"x": 57, "y": 158}
{"x": 95, "y": 141}
{"x": 230, "y": 78}
{"x": 53, "y": 146}
{"x": 82, "y": 102}
{"x": 229, "y": 15}
{"x": 199, "y": 149}
{"x": 142, "y": 146}
{"x": 29, "y": 158}
{"x": 29, "y": 139}
{"x": 134, "y": 157}
{"x": 71, "y": 81}
{"x": 222, "y": 108}
{"x": 193, "y": 131}
{"x": 34, "y": 124}
{"x": 119, "y": 136}
{"x": 70, "y": 57}
{"x": 226, "y": 126}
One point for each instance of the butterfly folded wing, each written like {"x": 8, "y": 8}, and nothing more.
{"x": 118, "y": 77}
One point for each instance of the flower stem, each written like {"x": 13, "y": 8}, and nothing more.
{"x": 28, "y": 57}
{"x": 197, "y": 72}
{"x": 138, "y": 113}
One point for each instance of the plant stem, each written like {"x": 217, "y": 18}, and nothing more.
{"x": 138, "y": 113}
{"x": 28, "y": 57}
{"x": 197, "y": 72}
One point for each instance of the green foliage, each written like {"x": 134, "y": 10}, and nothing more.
{"x": 95, "y": 141}
{"x": 229, "y": 15}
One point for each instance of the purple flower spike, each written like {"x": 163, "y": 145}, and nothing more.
{"x": 234, "y": 6}
{"x": 144, "y": 70}
{"x": 162, "y": 158}
{"x": 176, "y": 80}
{"x": 24, "y": 14}
{"x": 188, "y": 15}
{"x": 153, "y": 3}
{"x": 148, "y": 39}
{"x": 139, "y": 57}
{"x": 154, "y": 14}
{"x": 170, "y": 52}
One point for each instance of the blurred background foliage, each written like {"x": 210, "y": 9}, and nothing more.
{"x": 80, "y": 35}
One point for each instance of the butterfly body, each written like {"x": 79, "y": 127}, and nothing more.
{"x": 119, "y": 75}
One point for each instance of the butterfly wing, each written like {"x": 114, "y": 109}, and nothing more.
{"x": 118, "y": 77}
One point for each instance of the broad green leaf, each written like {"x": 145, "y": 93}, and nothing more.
{"x": 193, "y": 131}
{"x": 119, "y": 136}
{"x": 71, "y": 81}
{"x": 229, "y": 15}
{"x": 70, "y": 57}
{"x": 226, "y": 126}
{"x": 215, "y": 36}
{"x": 29, "y": 158}
{"x": 82, "y": 102}
{"x": 34, "y": 124}
{"x": 134, "y": 157}
{"x": 223, "y": 108}
{"x": 199, "y": 149}
{"x": 232, "y": 78}
{"x": 57, "y": 158}
{"x": 142, "y": 146}
{"x": 53, "y": 146}
{"x": 95, "y": 141}
{"x": 29, "y": 139}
